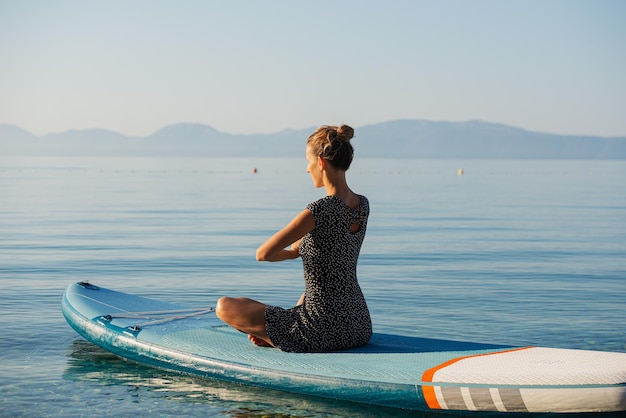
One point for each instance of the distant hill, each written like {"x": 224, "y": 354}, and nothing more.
{"x": 393, "y": 139}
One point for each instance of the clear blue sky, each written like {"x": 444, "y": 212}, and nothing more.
{"x": 263, "y": 66}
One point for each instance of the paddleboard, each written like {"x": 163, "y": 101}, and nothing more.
{"x": 392, "y": 370}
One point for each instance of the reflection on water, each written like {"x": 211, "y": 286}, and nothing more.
{"x": 87, "y": 362}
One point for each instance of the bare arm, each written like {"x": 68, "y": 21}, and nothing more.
{"x": 275, "y": 248}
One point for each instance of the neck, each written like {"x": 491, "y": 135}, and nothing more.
{"x": 336, "y": 185}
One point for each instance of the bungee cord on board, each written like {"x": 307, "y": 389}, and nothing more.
{"x": 185, "y": 313}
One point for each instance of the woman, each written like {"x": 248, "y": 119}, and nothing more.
{"x": 332, "y": 313}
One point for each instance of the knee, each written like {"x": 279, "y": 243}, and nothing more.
{"x": 221, "y": 308}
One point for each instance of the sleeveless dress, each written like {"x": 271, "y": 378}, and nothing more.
{"x": 333, "y": 315}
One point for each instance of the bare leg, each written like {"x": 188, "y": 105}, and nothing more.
{"x": 246, "y": 315}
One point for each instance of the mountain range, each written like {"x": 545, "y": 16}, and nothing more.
{"x": 393, "y": 139}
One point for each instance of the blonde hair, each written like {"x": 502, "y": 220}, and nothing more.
{"x": 332, "y": 143}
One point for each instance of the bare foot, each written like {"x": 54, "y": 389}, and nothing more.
{"x": 259, "y": 341}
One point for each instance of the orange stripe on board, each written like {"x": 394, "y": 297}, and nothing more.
{"x": 429, "y": 391}
{"x": 430, "y": 397}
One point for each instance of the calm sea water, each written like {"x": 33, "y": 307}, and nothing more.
{"x": 519, "y": 252}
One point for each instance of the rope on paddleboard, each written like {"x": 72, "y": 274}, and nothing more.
{"x": 184, "y": 313}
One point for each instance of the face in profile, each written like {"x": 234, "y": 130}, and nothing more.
{"x": 314, "y": 168}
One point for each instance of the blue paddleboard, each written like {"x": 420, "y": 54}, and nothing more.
{"x": 397, "y": 371}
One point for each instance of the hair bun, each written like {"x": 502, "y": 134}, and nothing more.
{"x": 345, "y": 132}
{"x": 333, "y": 144}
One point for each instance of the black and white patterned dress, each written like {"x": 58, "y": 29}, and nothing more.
{"x": 334, "y": 315}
